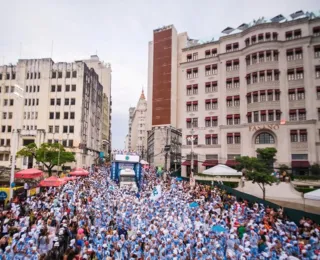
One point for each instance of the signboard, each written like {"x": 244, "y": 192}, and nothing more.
{"x": 127, "y": 158}
{"x": 262, "y": 127}
{"x": 126, "y": 166}
{"x": 3, "y": 195}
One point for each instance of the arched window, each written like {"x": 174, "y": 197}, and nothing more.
{"x": 264, "y": 138}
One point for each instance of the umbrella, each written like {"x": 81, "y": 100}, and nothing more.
{"x": 52, "y": 181}
{"x": 79, "y": 173}
{"x": 218, "y": 229}
{"x": 193, "y": 205}
{"x": 28, "y": 174}
{"x": 179, "y": 179}
{"x": 69, "y": 178}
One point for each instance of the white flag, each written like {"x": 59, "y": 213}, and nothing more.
{"x": 156, "y": 193}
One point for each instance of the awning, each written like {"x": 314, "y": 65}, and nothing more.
{"x": 29, "y": 174}
{"x": 231, "y": 163}
{"x": 210, "y": 163}
{"x": 188, "y": 163}
{"x": 79, "y": 173}
{"x": 300, "y": 164}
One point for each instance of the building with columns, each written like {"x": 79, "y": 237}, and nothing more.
{"x": 245, "y": 90}
{"x": 42, "y": 101}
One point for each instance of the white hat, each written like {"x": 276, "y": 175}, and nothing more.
{"x": 56, "y": 244}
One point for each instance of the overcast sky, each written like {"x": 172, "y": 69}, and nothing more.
{"x": 119, "y": 32}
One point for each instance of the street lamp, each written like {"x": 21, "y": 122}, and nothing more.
{"x": 15, "y": 139}
{"x": 192, "y": 139}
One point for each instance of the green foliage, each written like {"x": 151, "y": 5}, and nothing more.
{"x": 49, "y": 154}
{"x": 306, "y": 177}
{"x": 259, "y": 169}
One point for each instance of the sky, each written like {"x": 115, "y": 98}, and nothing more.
{"x": 118, "y": 31}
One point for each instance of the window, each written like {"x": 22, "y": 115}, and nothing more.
{"x": 208, "y": 139}
{"x": 52, "y": 101}
{"x": 53, "y": 88}
{"x": 68, "y": 74}
{"x": 49, "y": 141}
{"x": 262, "y": 96}
{"x": 237, "y": 138}
{"x": 229, "y": 119}
{"x": 236, "y": 82}
{"x": 189, "y": 139}
{"x": 65, "y": 115}
{"x": 10, "y": 115}
{"x": 301, "y": 94}
{"x": 73, "y": 87}
{"x": 54, "y": 74}
{"x": 189, "y": 106}
{"x": 236, "y": 119}
{"x": 50, "y": 129}
{"x": 292, "y": 115}
{"x": 72, "y": 115}
{"x": 65, "y": 129}
{"x": 290, "y": 55}
{"x": 3, "y": 129}
{"x": 70, "y": 143}
{"x": 71, "y": 129}
{"x": 303, "y": 136}
{"x": 58, "y": 101}
{"x": 278, "y": 114}
{"x": 291, "y": 75}
{"x": 229, "y": 83}
{"x": 5, "y": 102}
{"x": 74, "y": 74}
{"x": 9, "y": 128}
{"x": 271, "y": 115}
{"x": 195, "y": 105}
{"x": 277, "y": 95}
{"x": 66, "y": 101}
{"x": 57, "y": 115}
{"x": 317, "y": 51}
{"x": 299, "y": 73}
{"x": 64, "y": 143}
{"x": 11, "y": 102}
{"x": 294, "y": 136}
{"x": 229, "y": 138}
{"x": 56, "y": 129}
{"x": 67, "y": 88}
{"x": 59, "y": 74}
{"x": 4, "y": 115}
{"x": 263, "y": 116}
{"x": 12, "y": 89}
{"x": 317, "y": 72}
{"x": 208, "y": 121}
{"x": 256, "y": 116}
{"x": 51, "y": 115}
{"x": 6, "y": 89}
{"x": 318, "y": 92}
{"x": 255, "y": 97}
{"x": 264, "y": 138}
{"x": 59, "y": 88}
{"x": 302, "y": 114}
{"x": 189, "y": 90}
{"x": 73, "y": 101}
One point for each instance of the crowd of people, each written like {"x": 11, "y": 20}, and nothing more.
{"x": 92, "y": 218}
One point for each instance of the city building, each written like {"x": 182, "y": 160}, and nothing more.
{"x": 245, "y": 90}
{"x": 42, "y": 101}
{"x": 138, "y": 133}
{"x": 162, "y": 121}
{"x": 104, "y": 72}
{"x": 128, "y": 144}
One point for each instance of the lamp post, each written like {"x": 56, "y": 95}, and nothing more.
{"x": 15, "y": 134}
{"x": 192, "y": 139}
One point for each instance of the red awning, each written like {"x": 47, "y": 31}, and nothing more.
{"x": 52, "y": 181}
{"x": 214, "y": 118}
{"x": 188, "y": 163}
{"x": 69, "y": 178}
{"x": 231, "y": 163}
{"x": 210, "y": 162}
{"x": 300, "y": 164}
{"x": 229, "y": 97}
{"x": 28, "y": 174}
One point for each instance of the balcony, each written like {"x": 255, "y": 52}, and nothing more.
{"x": 234, "y": 148}
{"x": 263, "y": 85}
{"x": 28, "y": 132}
{"x": 257, "y": 106}
{"x": 297, "y": 103}
{"x": 296, "y": 83}
{"x": 294, "y": 63}
{"x": 299, "y": 147}
{"x": 5, "y": 149}
{"x": 268, "y": 65}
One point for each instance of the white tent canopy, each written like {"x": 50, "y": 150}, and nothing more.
{"x": 144, "y": 162}
{"x": 313, "y": 195}
{"x": 222, "y": 170}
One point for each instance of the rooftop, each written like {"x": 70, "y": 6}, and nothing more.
{"x": 229, "y": 30}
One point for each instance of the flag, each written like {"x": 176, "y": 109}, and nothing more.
{"x": 156, "y": 193}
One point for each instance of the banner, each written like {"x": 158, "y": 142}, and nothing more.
{"x": 156, "y": 193}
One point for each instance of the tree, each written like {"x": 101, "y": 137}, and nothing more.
{"x": 259, "y": 169}
{"x": 49, "y": 154}
{"x": 315, "y": 169}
